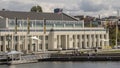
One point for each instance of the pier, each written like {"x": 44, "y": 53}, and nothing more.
{"x": 30, "y": 59}
{"x": 61, "y": 56}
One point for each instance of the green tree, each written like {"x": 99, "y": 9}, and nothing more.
{"x": 112, "y": 35}
{"x": 36, "y": 9}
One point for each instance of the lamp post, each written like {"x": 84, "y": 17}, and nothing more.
{"x": 117, "y": 27}
{"x": 8, "y": 39}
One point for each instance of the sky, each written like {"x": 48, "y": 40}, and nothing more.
{"x": 71, "y": 7}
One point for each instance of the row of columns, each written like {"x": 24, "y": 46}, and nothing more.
{"x": 79, "y": 42}
{"x": 19, "y": 45}
{"x": 63, "y": 42}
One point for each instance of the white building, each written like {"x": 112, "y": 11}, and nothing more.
{"x": 62, "y": 32}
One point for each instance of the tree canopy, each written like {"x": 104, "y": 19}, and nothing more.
{"x": 36, "y": 9}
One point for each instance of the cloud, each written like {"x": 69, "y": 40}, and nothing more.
{"x": 91, "y": 6}
{"x": 15, "y": 5}
{"x": 72, "y": 7}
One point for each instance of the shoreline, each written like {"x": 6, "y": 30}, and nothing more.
{"x": 69, "y": 57}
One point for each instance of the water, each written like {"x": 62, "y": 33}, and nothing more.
{"x": 86, "y": 64}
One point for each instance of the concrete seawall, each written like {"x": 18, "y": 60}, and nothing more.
{"x": 67, "y": 57}
{"x": 83, "y": 57}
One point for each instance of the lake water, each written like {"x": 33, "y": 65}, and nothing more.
{"x": 86, "y": 64}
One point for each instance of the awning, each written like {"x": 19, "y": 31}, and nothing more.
{"x": 14, "y": 52}
{"x": 35, "y": 38}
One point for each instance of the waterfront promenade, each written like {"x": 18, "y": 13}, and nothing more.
{"x": 70, "y": 55}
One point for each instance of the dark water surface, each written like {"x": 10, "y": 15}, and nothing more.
{"x": 104, "y": 64}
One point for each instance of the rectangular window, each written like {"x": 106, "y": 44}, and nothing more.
{"x": 40, "y": 46}
{"x": 78, "y": 36}
{"x": 82, "y": 36}
{"x": 24, "y": 23}
{"x": 105, "y": 36}
{"x": 46, "y": 45}
{"x": 100, "y": 36}
{"x": 11, "y": 23}
{"x": 38, "y": 24}
{"x": 22, "y": 38}
{"x": 73, "y": 44}
{"x": 96, "y": 36}
{"x": 59, "y": 25}
{"x": 78, "y": 44}
{"x": 78, "y": 25}
{"x": 46, "y": 37}
{"x": 49, "y": 25}
{"x": 87, "y": 36}
{"x": 1, "y": 38}
{"x": 41, "y": 37}
{"x": 15, "y": 38}
{"x": 73, "y": 36}
{"x": 69, "y": 25}
{"x": 87, "y": 44}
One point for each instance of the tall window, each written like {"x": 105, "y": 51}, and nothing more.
{"x": 1, "y": 38}
{"x": 46, "y": 45}
{"x": 46, "y": 37}
{"x": 11, "y": 23}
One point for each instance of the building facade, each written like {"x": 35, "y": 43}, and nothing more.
{"x": 53, "y": 32}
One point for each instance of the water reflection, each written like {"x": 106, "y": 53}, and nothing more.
{"x": 66, "y": 65}
{"x": 12, "y": 66}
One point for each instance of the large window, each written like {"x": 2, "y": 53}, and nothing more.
{"x": 59, "y": 25}
{"x": 69, "y": 25}
{"x": 38, "y": 23}
{"x": 11, "y": 23}
{"x": 49, "y": 25}
{"x": 19, "y": 23}
{"x": 25, "y": 23}
{"x": 78, "y": 25}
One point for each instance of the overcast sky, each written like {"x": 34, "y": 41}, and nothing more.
{"x": 72, "y": 7}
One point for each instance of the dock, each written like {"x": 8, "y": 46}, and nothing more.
{"x": 30, "y": 59}
{"x": 77, "y": 56}
{"x": 24, "y": 59}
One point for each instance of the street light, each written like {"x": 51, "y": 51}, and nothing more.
{"x": 8, "y": 39}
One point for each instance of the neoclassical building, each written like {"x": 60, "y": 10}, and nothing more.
{"x": 52, "y": 31}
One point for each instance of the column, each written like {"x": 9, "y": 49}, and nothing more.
{"x": 102, "y": 40}
{"x": 90, "y": 41}
{"x": 0, "y": 48}
{"x": 80, "y": 41}
{"x": 85, "y": 41}
{"x": 43, "y": 44}
{"x": 70, "y": 41}
{"x": 75, "y": 42}
{"x": 94, "y": 40}
{"x": 4, "y": 46}
{"x": 12, "y": 41}
{"x": 107, "y": 39}
{"x": 26, "y": 44}
{"x": 98, "y": 40}
{"x": 65, "y": 41}
{"x": 19, "y": 49}
{"x": 31, "y": 45}
{"x": 59, "y": 42}
{"x": 36, "y": 46}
